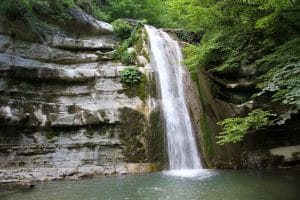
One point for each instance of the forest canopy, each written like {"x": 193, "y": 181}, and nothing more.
{"x": 256, "y": 40}
{"x": 107, "y": 10}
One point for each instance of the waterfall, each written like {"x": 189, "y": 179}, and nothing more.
{"x": 167, "y": 57}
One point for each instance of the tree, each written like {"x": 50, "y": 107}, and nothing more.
{"x": 261, "y": 36}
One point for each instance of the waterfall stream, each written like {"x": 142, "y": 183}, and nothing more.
{"x": 167, "y": 57}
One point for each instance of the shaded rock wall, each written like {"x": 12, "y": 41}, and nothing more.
{"x": 206, "y": 111}
{"x": 254, "y": 151}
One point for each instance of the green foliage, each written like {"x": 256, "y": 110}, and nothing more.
{"x": 282, "y": 55}
{"x": 15, "y": 9}
{"x": 187, "y": 36}
{"x": 122, "y": 54}
{"x": 208, "y": 147}
{"x": 121, "y": 49}
{"x": 259, "y": 37}
{"x": 54, "y": 9}
{"x": 236, "y": 33}
{"x": 152, "y": 10}
{"x": 94, "y": 8}
{"x": 100, "y": 14}
{"x": 85, "y": 5}
{"x": 30, "y": 11}
{"x": 193, "y": 15}
{"x": 201, "y": 55}
{"x": 277, "y": 7}
{"x": 139, "y": 89}
{"x": 282, "y": 79}
{"x": 236, "y": 128}
{"x": 284, "y": 85}
{"x": 130, "y": 76}
{"x": 127, "y": 58}
{"x": 19, "y": 9}
{"x": 122, "y": 28}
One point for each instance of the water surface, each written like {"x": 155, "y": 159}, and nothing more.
{"x": 210, "y": 185}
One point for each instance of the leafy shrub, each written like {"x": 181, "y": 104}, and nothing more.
{"x": 30, "y": 10}
{"x": 123, "y": 55}
{"x": 121, "y": 52}
{"x": 283, "y": 83}
{"x": 188, "y": 36}
{"x": 15, "y": 9}
{"x": 55, "y": 9}
{"x": 130, "y": 76}
{"x": 127, "y": 58}
{"x": 122, "y": 28}
{"x": 236, "y": 128}
{"x": 285, "y": 54}
{"x": 100, "y": 14}
{"x": 121, "y": 48}
{"x": 94, "y": 8}
{"x": 86, "y": 5}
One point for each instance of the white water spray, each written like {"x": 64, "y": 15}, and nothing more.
{"x": 182, "y": 148}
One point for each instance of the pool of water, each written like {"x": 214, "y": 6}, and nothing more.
{"x": 207, "y": 185}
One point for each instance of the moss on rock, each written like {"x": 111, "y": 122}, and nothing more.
{"x": 132, "y": 134}
{"x": 143, "y": 140}
{"x": 138, "y": 90}
{"x": 208, "y": 149}
{"x": 156, "y": 138}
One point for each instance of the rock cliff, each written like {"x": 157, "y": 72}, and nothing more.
{"x": 64, "y": 112}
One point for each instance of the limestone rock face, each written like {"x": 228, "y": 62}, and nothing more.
{"x": 64, "y": 112}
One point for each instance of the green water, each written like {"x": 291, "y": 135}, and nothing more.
{"x": 211, "y": 185}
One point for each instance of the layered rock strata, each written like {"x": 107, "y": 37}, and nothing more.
{"x": 64, "y": 112}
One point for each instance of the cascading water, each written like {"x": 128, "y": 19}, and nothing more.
{"x": 167, "y": 57}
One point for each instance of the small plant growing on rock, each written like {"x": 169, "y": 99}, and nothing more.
{"x": 130, "y": 76}
{"x": 122, "y": 29}
{"x": 122, "y": 54}
{"x": 127, "y": 58}
{"x": 235, "y": 129}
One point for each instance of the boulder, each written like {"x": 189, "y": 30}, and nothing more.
{"x": 259, "y": 160}
{"x": 141, "y": 61}
{"x": 288, "y": 153}
{"x": 275, "y": 157}
{"x": 131, "y": 50}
